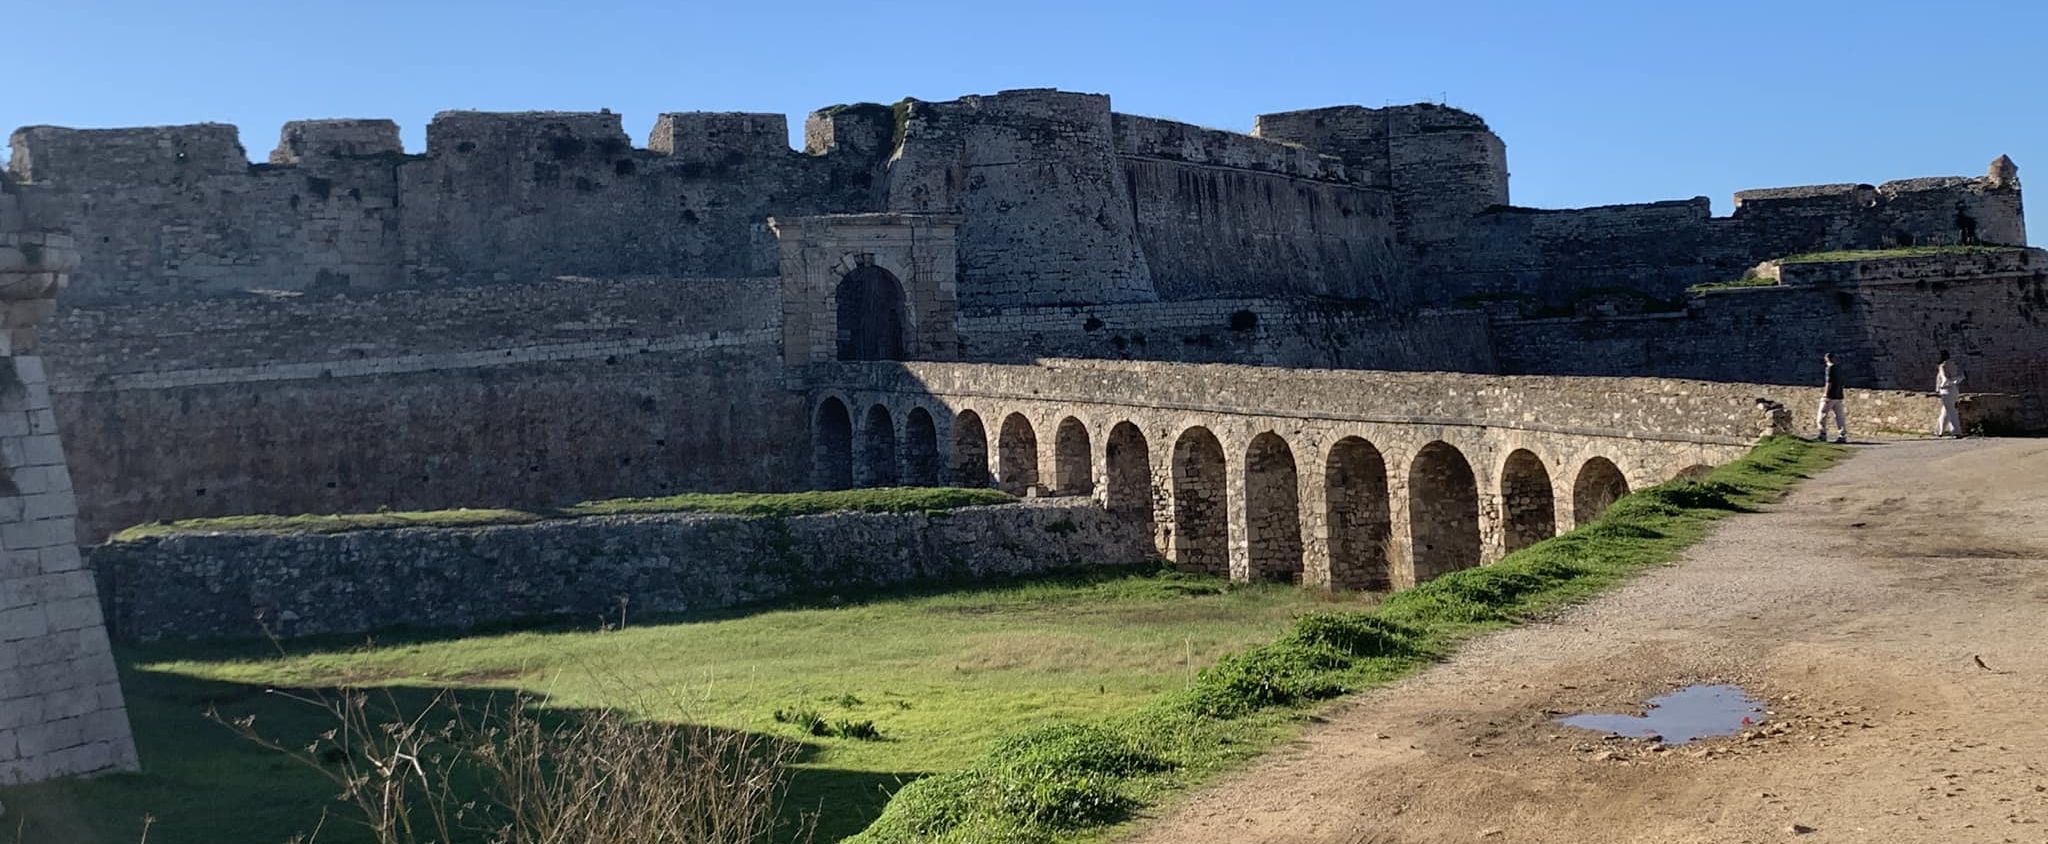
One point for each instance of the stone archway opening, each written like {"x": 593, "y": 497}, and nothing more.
{"x": 1360, "y": 524}
{"x": 1528, "y": 507}
{"x": 970, "y": 451}
{"x": 1201, "y": 504}
{"x": 1016, "y": 455}
{"x": 1129, "y": 462}
{"x": 1443, "y": 512}
{"x": 878, "y": 449}
{"x": 1072, "y": 473}
{"x": 922, "y": 465}
{"x": 1272, "y": 503}
{"x": 872, "y": 315}
{"x": 1600, "y": 484}
{"x": 832, "y": 445}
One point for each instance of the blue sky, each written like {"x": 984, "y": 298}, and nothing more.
{"x": 1600, "y": 102}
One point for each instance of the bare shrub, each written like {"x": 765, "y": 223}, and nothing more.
{"x": 509, "y": 774}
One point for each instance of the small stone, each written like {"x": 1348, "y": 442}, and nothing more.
{"x": 1606, "y": 756}
{"x": 1799, "y": 829}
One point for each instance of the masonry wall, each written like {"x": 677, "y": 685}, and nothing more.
{"x": 512, "y": 395}
{"x": 1223, "y": 214}
{"x": 1035, "y": 174}
{"x": 1885, "y": 321}
{"x": 216, "y": 585}
{"x": 1267, "y": 332}
{"x": 178, "y": 212}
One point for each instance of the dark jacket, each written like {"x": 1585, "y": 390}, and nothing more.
{"x": 1834, "y": 381}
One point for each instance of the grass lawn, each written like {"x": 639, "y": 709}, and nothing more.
{"x": 940, "y": 674}
{"x": 880, "y": 500}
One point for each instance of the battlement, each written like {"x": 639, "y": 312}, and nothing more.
{"x": 855, "y": 128}
{"x": 50, "y": 153}
{"x": 722, "y": 138}
{"x": 1151, "y": 137}
{"x": 302, "y": 139}
{"x": 1442, "y": 164}
{"x": 561, "y": 134}
{"x": 1933, "y": 210}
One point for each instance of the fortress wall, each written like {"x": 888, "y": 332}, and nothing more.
{"x": 214, "y": 585}
{"x": 1886, "y": 331}
{"x": 509, "y": 395}
{"x": 1210, "y": 231}
{"x": 1656, "y": 248}
{"x": 1442, "y": 165}
{"x": 1037, "y": 176}
{"x": 177, "y": 212}
{"x": 1268, "y": 332}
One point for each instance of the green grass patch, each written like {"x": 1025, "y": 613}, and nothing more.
{"x": 883, "y": 500}
{"x": 1247, "y": 699}
{"x": 1898, "y": 252}
{"x": 1749, "y": 280}
{"x": 881, "y": 692}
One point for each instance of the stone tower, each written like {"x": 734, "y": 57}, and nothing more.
{"x": 61, "y": 711}
{"x": 2003, "y": 173}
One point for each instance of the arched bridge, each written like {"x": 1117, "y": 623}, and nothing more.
{"x": 1347, "y": 479}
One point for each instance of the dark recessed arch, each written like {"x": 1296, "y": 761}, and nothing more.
{"x": 1016, "y": 455}
{"x": 1201, "y": 504}
{"x": 1129, "y": 461}
{"x": 1360, "y": 524}
{"x": 970, "y": 450}
{"x": 877, "y": 465}
{"x": 872, "y": 317}
{"x": 922, "y": 465}
{"x": 832, "y": 445}
{"x": 1599, "y": 485}
{"x": 1443, "y": 512}
{"x": 1272, "y": 510}
{"x": 1528, "y": 507}
{"x": 1072, "y": 473}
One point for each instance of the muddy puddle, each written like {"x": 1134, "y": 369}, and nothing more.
{"x": 1692, "y": 713}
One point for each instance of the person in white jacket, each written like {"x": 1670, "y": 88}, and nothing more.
{"x": 1948, "y": 383}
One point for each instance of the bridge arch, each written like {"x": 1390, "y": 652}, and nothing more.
{"x": 1272, "y": 499}
{"x": 1016, "y": 455}
{"x": 1360, "y": 522}
{"x": 1599, "y": 485}
{"x": 970, "y": 450}
{"x": 1073, "y": 471}
{"x": 832, "y": 445}
{"x": 1201, "y": 503}
{"x": 1528, "y": 506}
{"x": 1443, "y": 512}
{"x": 1129, "y": 462}
{"x": 877, "y": 466}
{"x": 922, "y": 465}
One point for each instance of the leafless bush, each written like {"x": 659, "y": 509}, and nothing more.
{"x": 507, "y": 774}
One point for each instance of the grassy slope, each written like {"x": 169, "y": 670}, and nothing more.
{"x": 941, "y": 674}
{"x": 1073, "y": 781}
{"x": 885, "y": 500}
{"x": 1898, "y": 252}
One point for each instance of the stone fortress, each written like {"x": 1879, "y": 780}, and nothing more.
{"x": 1329, "y": 351}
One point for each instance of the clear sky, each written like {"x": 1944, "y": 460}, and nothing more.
{"x": 1600, "y": 102}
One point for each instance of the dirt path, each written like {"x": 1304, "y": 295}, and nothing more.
{"x": 1854, "y": 609}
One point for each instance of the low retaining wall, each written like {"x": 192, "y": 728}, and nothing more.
{"x": 217, "y": 585}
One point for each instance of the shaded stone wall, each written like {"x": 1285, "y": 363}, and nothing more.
{"x": 583, "y": 570}
{"x": 1886, "y": 321}
{"x": 511, "y": 395}
{"x": 1269, "y": 332}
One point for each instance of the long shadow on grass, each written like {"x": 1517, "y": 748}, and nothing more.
{"x": 202, "y": 784}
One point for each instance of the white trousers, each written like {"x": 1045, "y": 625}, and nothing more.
{"x": 1950, "y": 421}
{"x": 1832, "y": 406}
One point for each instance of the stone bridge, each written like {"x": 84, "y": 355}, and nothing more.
{"x": 1346, "y": 479}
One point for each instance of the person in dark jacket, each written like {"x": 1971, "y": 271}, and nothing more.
{"x": 1831, "y": 403}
